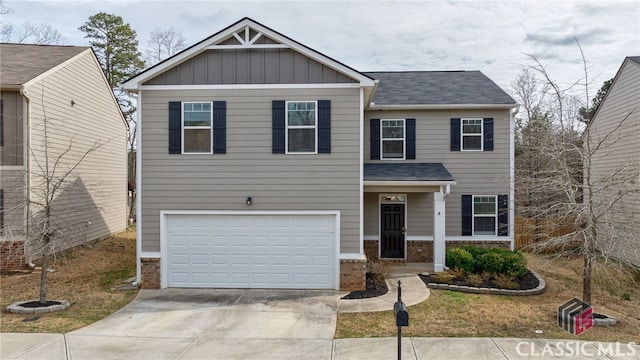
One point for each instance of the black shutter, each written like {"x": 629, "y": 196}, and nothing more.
{"x": 411, "y": 139}
{"x": 277, "y": 127}
{"x": 375, "y": 139}
{"x": 487, "y": 127}
{"x": 324, "y": 126}
{"x": 455, "y": 134}
{"x": 467, "y": 215}
{"x": 503, "y": 215}
{"x": 175, "y": 127}
{"x": 219, "y": 127}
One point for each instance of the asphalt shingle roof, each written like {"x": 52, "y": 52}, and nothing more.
{"x": 20, "y": 63}
{"x": 406, "y": 172}
{"x": 437, "y": 88}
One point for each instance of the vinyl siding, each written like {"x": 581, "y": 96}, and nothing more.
{"x": 12, "y": 184}
{"x": 12, "y": 148}
{"x": 619, "y": 153}
{"x": 274, "y": 181}
{"x": 475, "y": 172}
{"x": 96, "y": 191}
{"x": 419, "y": 213}
{"x": 254, "y": 66}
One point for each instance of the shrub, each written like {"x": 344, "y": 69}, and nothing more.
{"x": 514, "y": 263}
{"x": 504, "y": 281}
{"x": 475, "y": 279}
{"x": 491, "y": 262}
{"x": 461, "y": 259}
{"x": 380, "y": 270}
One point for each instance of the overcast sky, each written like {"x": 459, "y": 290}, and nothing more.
{"x": 491, "y": 36}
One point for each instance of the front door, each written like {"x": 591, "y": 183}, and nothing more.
{"x": 392, "y": 231}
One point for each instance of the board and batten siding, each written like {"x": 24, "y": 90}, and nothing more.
{"x": 475, "y": 172}
{"x": 81, "y": 113}
{"x": 615, "y": 130}
{"x": 251, "y": 66}
{"x": 273, "y": 181}
{"x": 12, "y": 128}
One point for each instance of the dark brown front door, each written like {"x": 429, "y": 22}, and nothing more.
{"x": 392, "y": 231}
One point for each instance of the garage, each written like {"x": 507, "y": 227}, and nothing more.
{"x": 251, "y": 250}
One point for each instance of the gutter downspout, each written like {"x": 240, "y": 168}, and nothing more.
{"x": 26, "y": 159}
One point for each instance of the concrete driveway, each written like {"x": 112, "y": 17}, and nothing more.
{"x": 213, "y": 324}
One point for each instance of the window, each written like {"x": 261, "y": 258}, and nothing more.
{"x": 393, "y": 136}
{"x": 484, "y": 214}
{"x": 302, "y": 127}
{"x": 196, "y": 127}
{"x": 471, "y": 134}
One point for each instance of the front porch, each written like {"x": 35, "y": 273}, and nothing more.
{"x": 404, "y": 212}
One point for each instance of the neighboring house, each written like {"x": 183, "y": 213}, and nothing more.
{"x": 264, "y": 163}
{"x": 614, "y": 140}
{"x": 65, "y": 86}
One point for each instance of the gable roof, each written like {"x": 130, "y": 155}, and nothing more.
{"x": 634, "y": 58}
{"x": 423, "y": 88}
{"x": 21, "y": 63}
{"x": 244, "y": 27}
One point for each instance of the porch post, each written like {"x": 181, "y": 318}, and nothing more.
{"x": 438, "y": 231}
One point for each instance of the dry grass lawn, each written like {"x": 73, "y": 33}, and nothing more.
{"x": 455, "y": 314}
{"x": 84, "y": 276}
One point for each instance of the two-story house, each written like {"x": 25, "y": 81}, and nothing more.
{"x": 613, "y": 142}
{"x": 62, "y": 137}
{"x": 264, "y": 163}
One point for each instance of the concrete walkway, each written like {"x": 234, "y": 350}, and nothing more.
{"x": 257, "y": 324}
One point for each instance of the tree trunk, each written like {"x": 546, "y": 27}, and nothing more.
{"x": 43, "y": 280}
{"x": 586, "y": 277}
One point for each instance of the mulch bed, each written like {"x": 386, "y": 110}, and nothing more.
{"x": 37, "y": 304}
{"x": 525, "y": 282}
{"x": 372, "y": 290}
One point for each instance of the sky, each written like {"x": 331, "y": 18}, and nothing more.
{"x": 491, "y": 36}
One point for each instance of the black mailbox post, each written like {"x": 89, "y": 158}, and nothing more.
{"x": 402, "y": 318}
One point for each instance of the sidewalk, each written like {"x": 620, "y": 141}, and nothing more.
{"x": 64, "y": 347}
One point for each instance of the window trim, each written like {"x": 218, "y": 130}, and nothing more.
{"x": 287, "y": 127}
{"x": 481, "y": 134}
{"x": 473, "y": 215}
{"x": 404, "y": 139}
{"x": 210, "y": 127}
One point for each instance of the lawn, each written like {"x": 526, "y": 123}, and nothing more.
{"x": 85, "y": 276}
{"x": 454, "y": 314}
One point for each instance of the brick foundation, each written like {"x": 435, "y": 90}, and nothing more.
{"x": 12, "y": 255}
{"x": 150, "y": 273}
{"x": 353, "y": 275}
{"x": 419, "y": 251}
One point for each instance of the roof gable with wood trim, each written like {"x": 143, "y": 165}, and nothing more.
{"x": 248, "y": 53}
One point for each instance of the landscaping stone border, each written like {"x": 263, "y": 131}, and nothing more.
{"x": 476, "y": 290}
{"x": 17, "y": 308}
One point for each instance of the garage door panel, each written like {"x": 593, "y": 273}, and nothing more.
{"x": 244, "y": 251}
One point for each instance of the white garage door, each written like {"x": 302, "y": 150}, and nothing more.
{"x": 251, "y": 251}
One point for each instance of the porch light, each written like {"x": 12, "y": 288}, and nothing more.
{"x": 248, "y": 201}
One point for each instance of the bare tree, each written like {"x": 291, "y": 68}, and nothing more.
{"x": 52, "y": 173}
{"x": 163, "y": 44}
{"x": 40, "y": 34}
{"x": 557, "y": 179}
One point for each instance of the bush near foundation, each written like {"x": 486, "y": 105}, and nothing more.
{"x": 473, "y": 259}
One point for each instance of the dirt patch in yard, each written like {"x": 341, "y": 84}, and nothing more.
{"x": 85, "y": 276}
{"x": 448, "y": 313}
